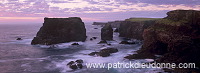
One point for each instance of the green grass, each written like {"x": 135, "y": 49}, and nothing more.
{"x": 142, "y": 19}
{"x": 171, "y": 22}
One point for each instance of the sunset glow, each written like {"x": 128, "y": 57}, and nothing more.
{"x": 91, "y": 10}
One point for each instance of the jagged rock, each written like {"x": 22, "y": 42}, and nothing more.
{"x": 126, "y": 42}
{"x": 176, "y": 37}
{"x": 70, "y": 63}
{"x": 107, "y": 32}
{"x": 80, "y": 66}
{"x": 60, "y": 30}
{"x": 79, "y": 61}
{"x": 93, "y": 53}
{"x": 103, "y": 54}
{"x": 116, "y": 30}
{"x": 74, "y": 44}
{"x": 134, "y": 29}
{"x": 103, "y": 42}
{"x": 94, "y": 37}
{"x": 19, "y": 39}
{"x": 109, "y": 50}
{"x": 73, "y": 67}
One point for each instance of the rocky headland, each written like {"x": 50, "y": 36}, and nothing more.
{"x": 133, "y": 27}
{"x": 175, "y": 37}
{"x": 60, "y": 30}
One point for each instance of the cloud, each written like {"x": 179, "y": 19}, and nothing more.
{"x": 160, "y": 2}
{"x": 99, "y": 8}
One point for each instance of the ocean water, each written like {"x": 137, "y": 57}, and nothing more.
{"x": 18, "y": 56}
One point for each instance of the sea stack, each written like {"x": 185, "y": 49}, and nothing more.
{"x": 107, "y": 32}
{"x": 60, "y": 30}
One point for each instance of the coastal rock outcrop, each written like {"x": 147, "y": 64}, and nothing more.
{"x": 134, "y": 29}
{"x": 104, "y": 52}
{"x": 60, "y": 30}
{"x": 99, "y": 23}
{"x": 107, "y": 32}
{"x": 114, "y": 24}
{"x": 176, "y": 37}
{"x": 78, "y": 64}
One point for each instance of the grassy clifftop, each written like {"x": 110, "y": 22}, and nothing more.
{"x": 142, "y": 19}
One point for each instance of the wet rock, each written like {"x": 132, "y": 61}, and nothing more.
{"x": 103, "y": 42}
{"x": 79, "y": 61}
{"x": 107, "y": 32}
{"x": 109, "y": 50}
{"x": 74, "y": 44}
{"x": 60, "y": 30}
{"x": 80, "y": 66}
{"x": 53, "y": 46}
{"x": 94, "y": 37}
{"x": 126, "y": 42}
{"x": 93, "y": 53}
{"x": 116, "y": 30}
{"x": 91, "y": 39}
{"x": 73, "y": 66}
{"x": 129, "y": 57}
{"x": 70, "y": 63}
{"x": 103, "y": 54}
{"x": 19, "y": 39}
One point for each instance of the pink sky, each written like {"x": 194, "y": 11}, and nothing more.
{"x": 33, "y": 11}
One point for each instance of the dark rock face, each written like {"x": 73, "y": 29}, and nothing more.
{"x": 116, "y": 30}
{"x": 132, "y": 29}
{"x": 115, "y": 24}
{"x": 75, "y": 44}
{"x": 104, "y": 52}
{"x": 109, "y": 50}
{"x": 60, "y": 30}
{"x": 107, "y": 32}
{"x": 73, "y": 67}
{"x": 78, "y": 64}
{"x": 79, "y": 61}
{"x": 19, "y": 39}
{"x": 103, "y": 42}
{"x": 93, "y": 38}
{"x": 126, "y": 42}
{"x": 176, "y": 37}
{"x": 93, "y": 53}
{"x": 70, "y": 63}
